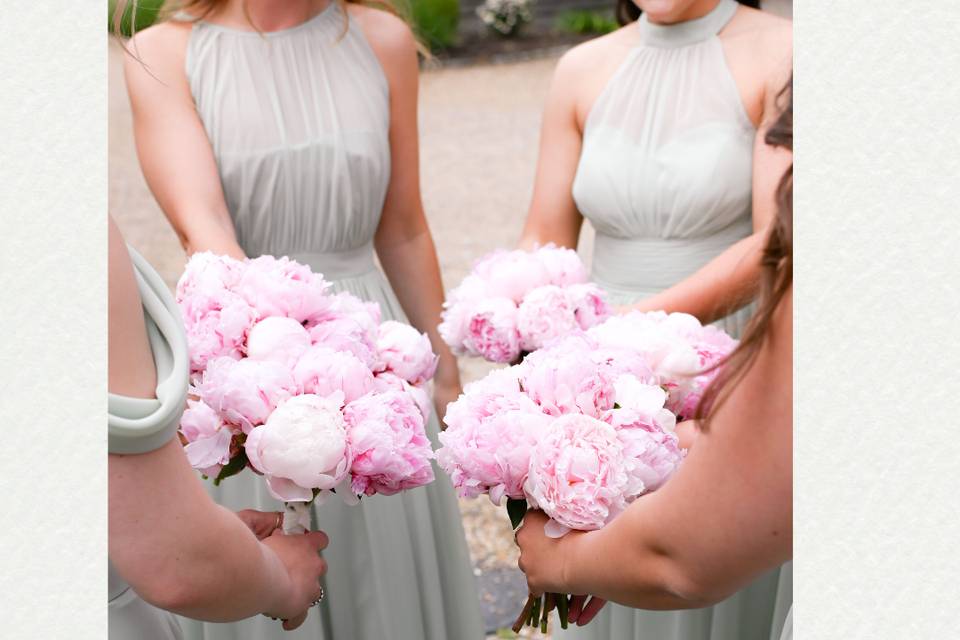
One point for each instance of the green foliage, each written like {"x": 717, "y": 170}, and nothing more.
{"x": 516, "y": 509}
{"x": 146, "y": 14}
{"x": 435, "y": 21}
{"x": 586, "y": 22}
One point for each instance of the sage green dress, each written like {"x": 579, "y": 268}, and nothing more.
{"x": 664, "y": 177}
{"x": 140, "y": 425}
{"x": 299, "y": 125}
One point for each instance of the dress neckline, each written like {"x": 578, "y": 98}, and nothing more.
{"x": 682, "y": 34}
{"x": 329, "y": 10}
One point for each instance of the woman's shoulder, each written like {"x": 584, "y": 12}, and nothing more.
{"x": 160, "y": 47}
{"x": 387, "y": 33}
{"x": 590, "y": 57}
{"x": 767, "y": 32}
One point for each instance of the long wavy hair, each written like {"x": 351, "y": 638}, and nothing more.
{"x": 776, "y": 266}
{"x": 627, "y": 11}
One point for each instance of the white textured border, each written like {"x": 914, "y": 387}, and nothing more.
{"x": 53, "y": 319}
{"x": 878, "y": 187}
{"x": 877, "y": 208}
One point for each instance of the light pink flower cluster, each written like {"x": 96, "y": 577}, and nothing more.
{"x": 306, "y": 387}
{"x": 577, "y": 429}
{"x": 682, "y": 353}
{"x": 519, "y": 301}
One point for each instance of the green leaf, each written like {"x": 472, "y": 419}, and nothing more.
{"x": 237, "y": 464}
{"x": 616, "y": 405}
{"x": 516, "y": 509}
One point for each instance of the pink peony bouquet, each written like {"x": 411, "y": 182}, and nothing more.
{"x": 305, "y": 387}
{"x": 583, "y": 427}
{"x": 515, "y": 302}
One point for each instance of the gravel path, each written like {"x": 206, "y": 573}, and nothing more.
{"x": 479, "y": 130}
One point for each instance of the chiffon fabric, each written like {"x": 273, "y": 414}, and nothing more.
{"x": 665, "y": 179}
{"x": 140, "y": 425}
{"x": 298, "y": 121}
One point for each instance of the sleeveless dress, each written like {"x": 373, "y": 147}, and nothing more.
{"x": 298, "y": 121}
{"x": 665, "y": 179}
{"x": 140, "y": 425}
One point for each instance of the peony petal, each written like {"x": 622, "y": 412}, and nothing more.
{"x": 287, "y": 490}
{"x": 554, "y": 529}
{"x": 208, "y": 452}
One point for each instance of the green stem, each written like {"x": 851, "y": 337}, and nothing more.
{"x": 535, "y": 616}
{"x": 562, "y": 609}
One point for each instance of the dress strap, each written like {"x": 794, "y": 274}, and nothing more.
{"x": 139, "y": 425}
{"x": 682, "y": 34}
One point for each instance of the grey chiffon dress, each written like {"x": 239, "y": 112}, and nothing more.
{"x": 140, "y": 425}
{"x": 664, "y": 177}
{"x": 298, "y": 121}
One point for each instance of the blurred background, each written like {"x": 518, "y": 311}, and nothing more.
{"x": 481, "y": 97}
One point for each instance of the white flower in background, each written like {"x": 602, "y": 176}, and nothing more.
{"x": 506, "y": 16}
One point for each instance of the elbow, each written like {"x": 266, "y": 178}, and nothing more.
{"x": 694, "y": 587}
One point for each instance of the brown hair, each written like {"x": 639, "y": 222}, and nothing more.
{"x": 627, "y": 11}
{"x": 776, "y": 266}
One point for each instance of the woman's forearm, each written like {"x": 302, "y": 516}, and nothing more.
{"x": 207, "y": 231}
{"x": 184, "y": 552}
{"x": 412, "y": 269}
{"x": 723, "y": 285}
{"x": 230, "y": 576}
{"x": 621, "y": 564}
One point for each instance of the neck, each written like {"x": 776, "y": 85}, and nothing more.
{"x": 696, "y": 9}
{"x": 270, "y": 15}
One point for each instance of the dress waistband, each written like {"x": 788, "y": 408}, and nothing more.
{"x": 649, "y": 265}
{"x": 337, "y": 265}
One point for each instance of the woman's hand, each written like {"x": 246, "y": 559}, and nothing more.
{"x": 543, "y": 560}
{"x": 261, "y": 523}
{"x": 300, "y": 555}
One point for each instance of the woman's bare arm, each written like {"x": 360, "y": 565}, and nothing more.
{"x": 725, "y": 516}
{"x": 176, "y": 547}
{"x": 172, "y": 145}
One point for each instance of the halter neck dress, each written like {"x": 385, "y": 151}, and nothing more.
{"x": 665, "y": 178}
{"x": 141, "y": 425}
{"x": 298, "y": 121}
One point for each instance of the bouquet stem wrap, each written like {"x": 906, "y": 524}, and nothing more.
{"x": 296, "y": 517}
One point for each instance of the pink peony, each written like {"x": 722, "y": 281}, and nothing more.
{"x": 564, "y": 267}
{"x": 278, "y": 339}
{"x": 391, "y": 451}
{"x": 303, "y": 446}
{"x": 245, "y": 392}
{"x": 589, "y": 304}
{"x": 567, "y": 380}
{"x": 323, "y": 371}
{"x": 405, "y": 352}
{"x": 578, "y": 475}
{"x": 217, "y": 329}
{"x": 389, "y": 382}
{"x": 511, "y": 274}
{"x": 492, "y": 330}
{"x": 282, "y": 287}
{"x": 205, "y": 278}
{"x": 492, "y": 453}
{"x": 646, "y": 429}
{"x": 351, "y": 325}
{"x": 544, "y": 315}
{"x": 208, "y": 438}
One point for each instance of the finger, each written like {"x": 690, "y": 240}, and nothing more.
{"x": 318, "y": 538}
{"x": 576, "y": 606}
{"x": 590, "y": 611}
{"x": 296, "y": 621}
